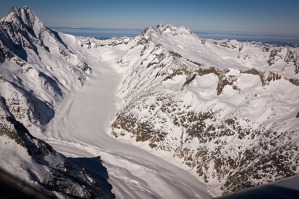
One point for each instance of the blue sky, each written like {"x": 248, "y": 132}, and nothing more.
{"x": 260, "y": 16}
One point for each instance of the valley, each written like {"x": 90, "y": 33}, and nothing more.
{"x": 165, "y": 114}
{"x": 81, "y": 129}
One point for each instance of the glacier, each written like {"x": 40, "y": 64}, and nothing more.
{"x": 166, "y": 114}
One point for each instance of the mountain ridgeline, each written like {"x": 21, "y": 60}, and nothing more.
{"x": 227, "y": 110}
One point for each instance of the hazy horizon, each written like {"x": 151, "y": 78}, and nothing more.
{"x": 106, "y": 33}
{"x": 231, "y": 19}
{"x": 270, "y": 16}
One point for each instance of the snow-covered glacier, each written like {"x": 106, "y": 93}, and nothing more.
{"x": 166, "y": 114}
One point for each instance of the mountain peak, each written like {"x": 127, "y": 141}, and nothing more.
{"x": 165, "y": 29}
{"x": 23, "y": 19}
{"x": 169, "y": 27}
{"x": 13, "y": 9}
{"x": 22, "y": 15}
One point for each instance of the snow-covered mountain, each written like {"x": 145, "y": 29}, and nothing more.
{"x": 38, "y": 70}
{"x": 227, "y": 109}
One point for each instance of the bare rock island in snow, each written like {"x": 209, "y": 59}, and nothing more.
{"x": 165, "y": 114}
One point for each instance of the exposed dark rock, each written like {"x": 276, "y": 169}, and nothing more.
{"x": 266, "y": 157}
{"x": 68, "y": 179}
{"x": 273, "y": 56}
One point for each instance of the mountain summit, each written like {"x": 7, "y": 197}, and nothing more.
{"x": 22, "y": 28}
{"x": 24, "y": 17}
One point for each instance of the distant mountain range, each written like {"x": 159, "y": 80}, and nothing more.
{"x": 108, "y": 33}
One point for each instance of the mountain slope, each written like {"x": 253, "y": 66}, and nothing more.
{"x": 37, "y": 67}
{"x": 226, "y": 109}
{"x": 38, "y": 71}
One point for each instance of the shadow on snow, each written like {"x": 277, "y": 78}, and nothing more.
{"x": 284, "y": 189}
{"x": 94, "y": 168}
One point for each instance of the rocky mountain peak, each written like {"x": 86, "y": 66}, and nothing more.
{"x": 21, "y": 14}
{"x": 165, "y": 29}
{"x": 23, "y": 18}
{"x": 20, "y": 29}
{"x": 171, "y": 28}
